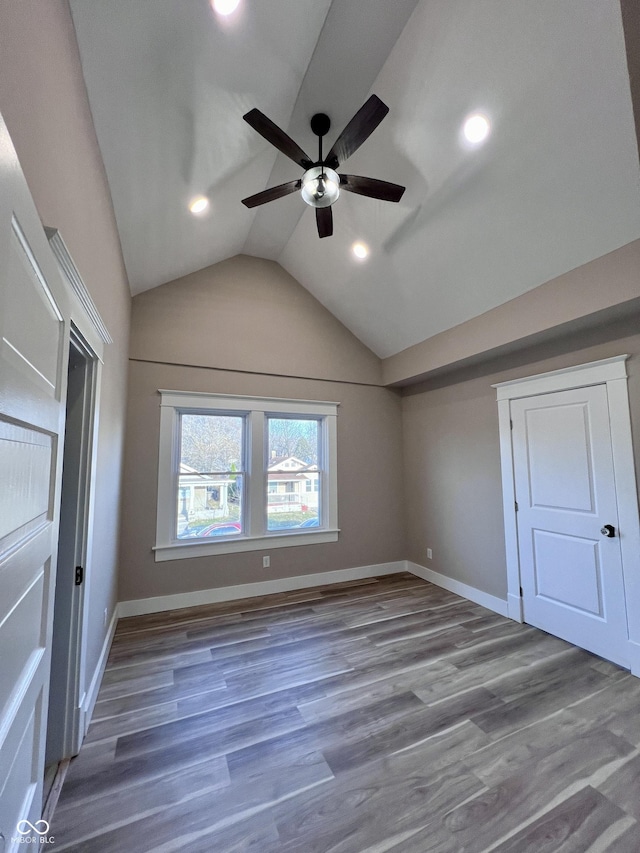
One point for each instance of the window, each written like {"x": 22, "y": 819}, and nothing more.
{"x": 244, "y": 473}
{"x": 211, "y": 451}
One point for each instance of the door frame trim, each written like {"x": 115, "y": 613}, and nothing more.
{"x": 611, "y": 372}
{"x": 90, "y": 332}
{"x": 75, "y": 724}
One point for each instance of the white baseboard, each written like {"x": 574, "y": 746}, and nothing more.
{"x": 491, "y": 602}
{"x": 141, "y": 606}
{"x": 158, "y": 604}
{"x": 92, "y": 693}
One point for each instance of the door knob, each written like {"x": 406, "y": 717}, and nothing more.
{"x": 608, "y": 530}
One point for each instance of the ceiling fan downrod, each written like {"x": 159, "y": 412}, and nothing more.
{"x": 320, "y": 125}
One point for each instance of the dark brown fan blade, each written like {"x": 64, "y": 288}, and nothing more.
{"x": 371, "y": 187}
{"x": 278, "y": 138}
{"x": 272, "y": 194}
{"x": 359, "y": 128}
{"x": 324, "y": 221}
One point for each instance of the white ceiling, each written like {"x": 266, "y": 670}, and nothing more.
{"x": 556, "y": 185}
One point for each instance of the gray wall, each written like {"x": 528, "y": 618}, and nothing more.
{"x": 271, "y": 338}
{"x": 44, "y": 103}
{"x": 247, "y": 314}
{"x": 442, "y": 433}
{"x": 453, "y": 484}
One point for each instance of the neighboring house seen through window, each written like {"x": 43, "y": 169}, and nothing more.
{"x": 244, "y": 473}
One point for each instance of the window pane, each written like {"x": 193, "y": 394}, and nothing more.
{"x": 210, "y": 482}
{"x": 211, "y": 443}
{"x": 293, "y": 476}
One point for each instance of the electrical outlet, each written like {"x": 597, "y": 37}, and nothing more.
{"x": 429, "y": 554}
{"x": 104, "y": 620}
{"x": 266, "y": 562}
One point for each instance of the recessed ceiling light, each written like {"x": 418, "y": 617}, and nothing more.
{"x": 199, "y": 204}
{"x": 225, "y": 7}
{"x": 476, "y": 128}
{"x": 360, "y": 250}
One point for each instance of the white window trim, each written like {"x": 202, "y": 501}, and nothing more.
{"x": 173, "y": 403}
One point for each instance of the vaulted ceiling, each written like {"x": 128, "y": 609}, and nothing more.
{"x": 555, "y": 185}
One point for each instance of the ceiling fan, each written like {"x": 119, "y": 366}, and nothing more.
{"x": 320, "y": 184}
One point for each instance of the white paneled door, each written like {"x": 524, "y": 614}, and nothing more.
{"x": 567, "y": 519}
{"x": 33, "y": 355}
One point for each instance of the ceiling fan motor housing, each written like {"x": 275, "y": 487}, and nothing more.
{"x": 320, "y": 124}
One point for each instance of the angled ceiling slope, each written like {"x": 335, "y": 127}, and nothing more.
{"x": 555, "y": 185}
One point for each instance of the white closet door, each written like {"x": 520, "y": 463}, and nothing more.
{"x": 571, "y": 572}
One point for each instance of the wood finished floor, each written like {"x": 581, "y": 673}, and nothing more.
{"x": 384, "y": 715}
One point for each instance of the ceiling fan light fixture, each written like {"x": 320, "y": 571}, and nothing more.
{"x": 320, "y": 186}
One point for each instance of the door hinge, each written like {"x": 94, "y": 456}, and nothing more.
{"x": 510, "y": 424}
{"x": 516, "y": 505}
{"x": 79, "y": 575}
{"x": 521, "y": 593}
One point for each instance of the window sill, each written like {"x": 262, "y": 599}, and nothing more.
{"x": 207, "y": 548}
